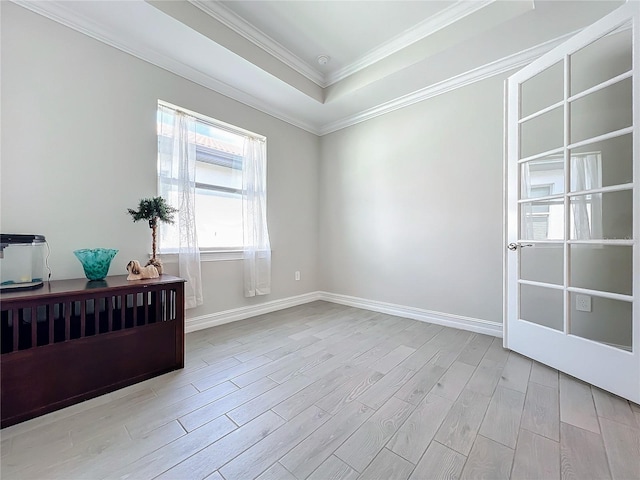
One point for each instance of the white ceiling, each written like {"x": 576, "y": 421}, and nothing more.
{"x": 345, "y": 31}
{"x": 383, "y": 54}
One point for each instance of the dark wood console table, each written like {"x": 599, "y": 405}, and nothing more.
{"x": 72, "y": 340}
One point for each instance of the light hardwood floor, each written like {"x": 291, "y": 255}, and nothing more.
{"x": 324, "y": 391}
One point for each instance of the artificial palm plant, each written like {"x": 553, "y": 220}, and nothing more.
{"x": 154, "y": 210}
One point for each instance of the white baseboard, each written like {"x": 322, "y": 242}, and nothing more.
{"x": 448, "y": 320}
{"x": 227, "y": 316}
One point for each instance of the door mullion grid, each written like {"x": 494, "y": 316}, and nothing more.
{"x": 567, "y": 188}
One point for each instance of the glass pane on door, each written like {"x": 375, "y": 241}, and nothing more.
{"x": 543, "y": 306}
{"x": 606, "y": 58}
{"x": 603, "y": 111}
{"x": 542, "y": 90}
{"x": 600, "y": 216}
{"x": 542, "y": 133}
{"x": 542, "y": 177}
{"x": 542, "y": 220}
{"x": 605, "y": 320}
{"x": 543, "y": 262}
{"x": 607, "y": 268}
{"x": 602, "y": 164}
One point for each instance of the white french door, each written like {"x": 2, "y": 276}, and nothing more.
{"x": 573, "y": 206}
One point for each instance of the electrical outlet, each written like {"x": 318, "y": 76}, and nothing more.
{"x": 583, "y": 303}
{"x": 297, "y": 276}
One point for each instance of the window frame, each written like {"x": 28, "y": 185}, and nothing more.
{"x": 169, "y": 255}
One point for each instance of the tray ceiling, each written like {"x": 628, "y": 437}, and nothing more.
{"x": 383, "y": 55}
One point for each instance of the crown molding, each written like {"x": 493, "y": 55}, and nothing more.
{"x": 442, "y": 19}
{"x": 491, "y": 69}
{"x": 427, "y": 27}
{"x": 58, "y": 12}
{"x": 236, "y": 23}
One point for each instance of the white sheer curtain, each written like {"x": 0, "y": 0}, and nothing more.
{"x": 257, "y": 249}
{"x": 177, "y": 158}
{"x": 586, "y": 174}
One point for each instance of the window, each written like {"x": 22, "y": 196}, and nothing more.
{"x": 216, "y": 176}
{"x": 218, "y": 189}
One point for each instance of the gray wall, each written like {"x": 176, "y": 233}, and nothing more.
{"x": 411, "y": 205}
{"x": 79, "y": 147}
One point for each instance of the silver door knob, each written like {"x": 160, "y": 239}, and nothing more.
{"x": 514, "y": 246}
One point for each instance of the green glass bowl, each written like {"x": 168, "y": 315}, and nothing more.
{"x": 95, "y": 261}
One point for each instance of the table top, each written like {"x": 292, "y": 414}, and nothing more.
{"x": 82, "y": 285}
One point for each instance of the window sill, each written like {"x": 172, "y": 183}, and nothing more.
{"x": 205, "y": 256}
